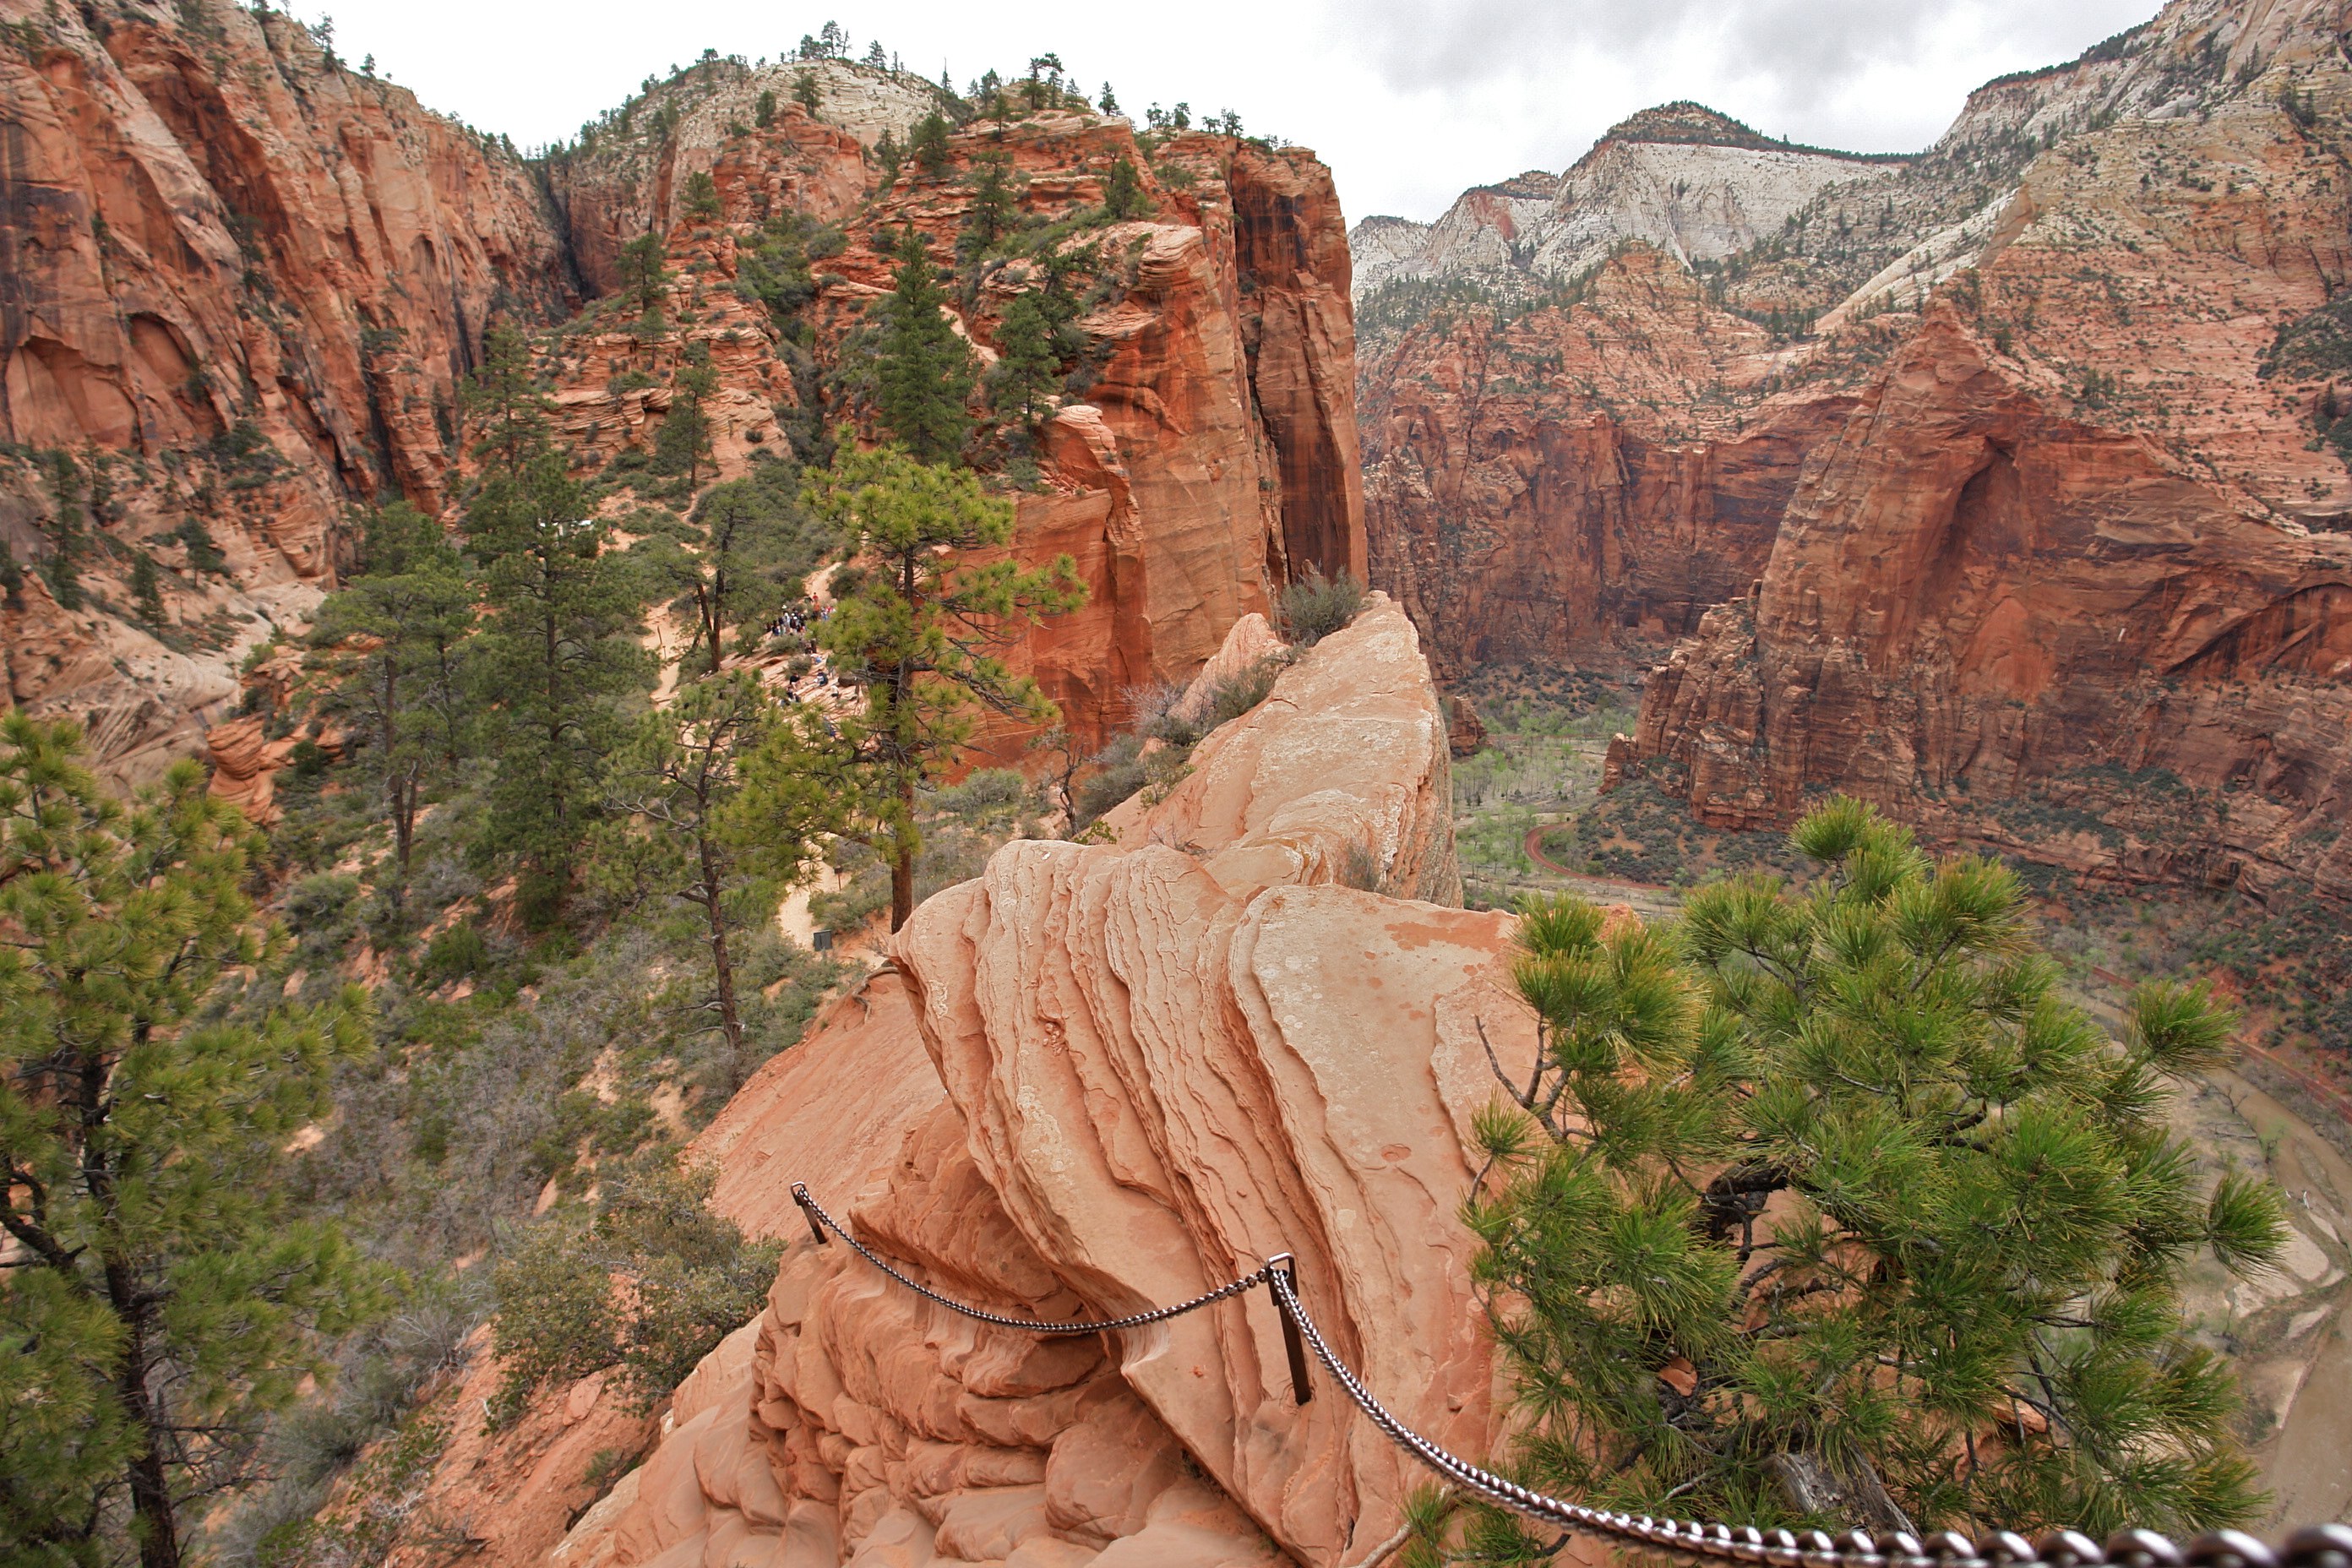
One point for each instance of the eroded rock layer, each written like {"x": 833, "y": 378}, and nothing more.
{"x": 1119, "y": 1074}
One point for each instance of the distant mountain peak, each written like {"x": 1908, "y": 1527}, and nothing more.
{"x": 1684, "y": 120}
{"x": 1694, "y": 124}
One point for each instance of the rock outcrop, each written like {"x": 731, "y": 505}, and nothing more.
{"x": 1098, "y": 1078}
{"x": 1211, "y": 455}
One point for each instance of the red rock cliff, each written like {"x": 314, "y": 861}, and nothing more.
{"x": 239, "y": 282}
{"x": 1211, "y": 457}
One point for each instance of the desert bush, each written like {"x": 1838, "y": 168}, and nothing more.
{"x": 1315, "y": 606}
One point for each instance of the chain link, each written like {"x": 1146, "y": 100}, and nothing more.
{"x": 817, "y": 1216}
{"x": 2318, "y": 1546}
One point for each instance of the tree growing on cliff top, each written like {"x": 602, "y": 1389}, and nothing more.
{"x": 923, "y": 368}
{"x": 159, "y": 1297}
{"x": 1825, "y": 1209}
{"x": 922, "y": 631}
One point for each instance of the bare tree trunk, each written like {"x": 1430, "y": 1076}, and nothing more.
{"x": 155, "y": 1520}
{"x": 721, "y": 963}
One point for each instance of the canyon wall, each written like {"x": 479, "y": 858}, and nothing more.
{"x": 243, "y": 286}
{"x": 240, "y": 287}
{"x": 2004, "y": 487}
{"x": 2069, "y": 583}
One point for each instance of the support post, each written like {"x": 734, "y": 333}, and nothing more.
{"x": 1301, "y": 1390}
{"x": 800, "y": 1196}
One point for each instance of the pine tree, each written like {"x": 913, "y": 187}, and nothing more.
{"x": 763, "y": 113}
{"x": 702, "y": 197}
{"x": 1021, "y": 382}
{"x": 644, "y": 275}
{"x": 61, "y": 568}
{"x": 888, "y": 152}
{"x": 1109, "y": 100}
{"x": 929, "y": 145}
{"x": 922, "y": 631}
{"x": 923, "y": 368}
{"x": 505, "y": 400}
{"x": 146, "y": 589}
{"x": 992, "y": 209}
{"x": 1826, "y": 1209}
{"x": 552, "y": 659}
{"x": 674, "y": 786}
{"x": 1123, "y": 195}
{"x": 804, "y": 91}
{"x": 684, "y": 438}
{"x": 396, "y": 640}
{"x": 159, "y": 1298}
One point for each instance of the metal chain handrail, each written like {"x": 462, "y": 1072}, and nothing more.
{"x": 2317, "y": 1546}
{"x": 820, "y": 1221}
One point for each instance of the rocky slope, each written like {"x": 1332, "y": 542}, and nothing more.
{"x": 239, "y": 286}
{"x": 2030, "y": 464}
{"x": 1096, "y": 1078}
{"x": 244, "y": 284}
{"x": 1210, "y": 456}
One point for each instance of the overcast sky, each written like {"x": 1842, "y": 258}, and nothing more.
{"x": 1408, "y": 100}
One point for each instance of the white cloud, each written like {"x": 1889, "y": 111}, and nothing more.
{"x": 1409, "y": 101}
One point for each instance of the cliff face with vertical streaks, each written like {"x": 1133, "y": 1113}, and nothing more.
{"x": 240, "y": 287}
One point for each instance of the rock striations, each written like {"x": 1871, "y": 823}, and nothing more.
{"x": 1097, "y": 1078}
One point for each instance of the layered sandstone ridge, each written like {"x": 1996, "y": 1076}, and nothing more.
{"x": 1098, "y": 1078}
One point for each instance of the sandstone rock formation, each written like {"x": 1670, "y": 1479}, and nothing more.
{"x": 1102, "y": 1076}
{"x": 2007, "y": 604}
{"x": 1520, "y": 521}
{"x": 2025, "y": 448}
{"x": 240, "y": 283}
{"x": 1213, "y": 456}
